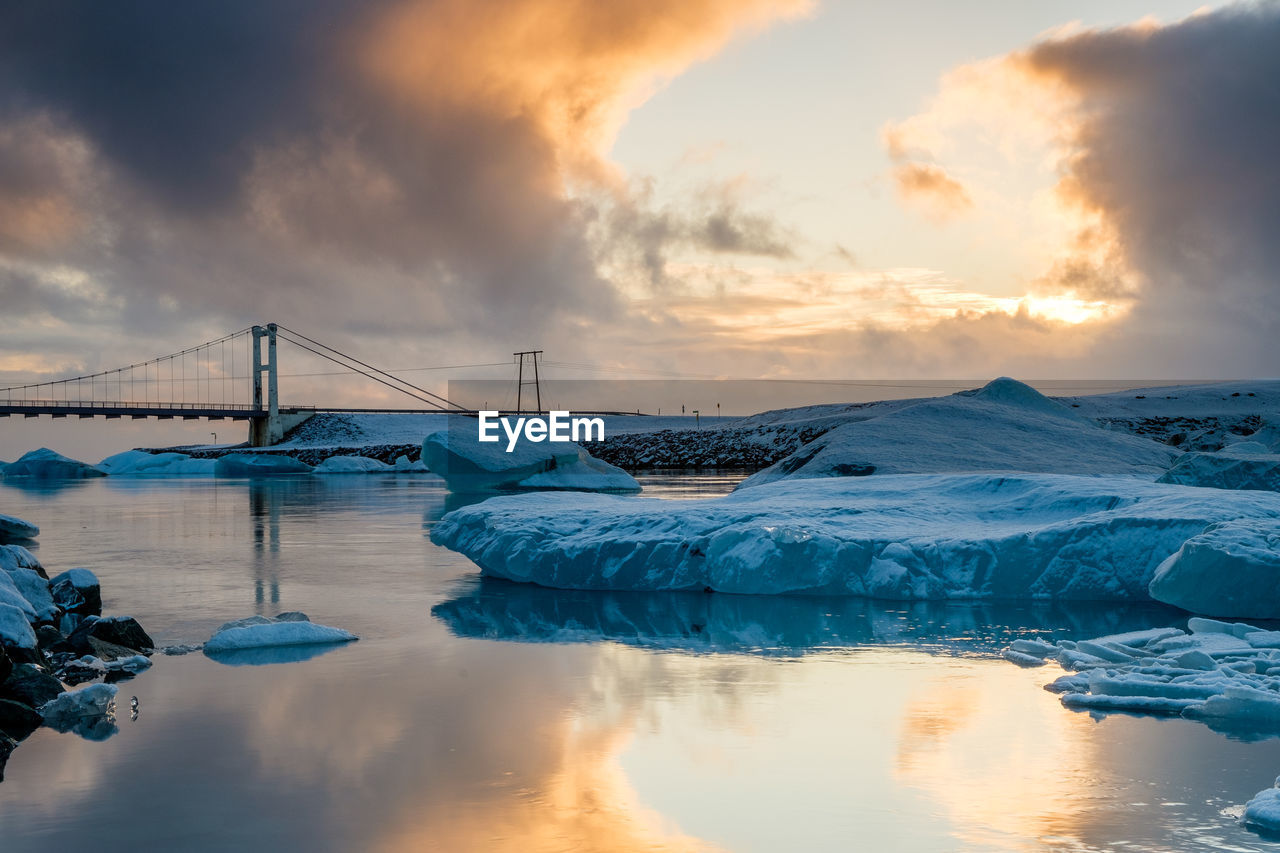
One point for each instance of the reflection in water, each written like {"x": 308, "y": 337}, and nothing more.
{"x": 264, "y": 509}
{"x": 796, "y": 723}
{"x": 497, "y": 609}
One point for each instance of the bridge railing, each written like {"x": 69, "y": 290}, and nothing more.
{"x": 123, "y": 404}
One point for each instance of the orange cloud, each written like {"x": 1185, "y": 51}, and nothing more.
{"x": 942, "y": 195}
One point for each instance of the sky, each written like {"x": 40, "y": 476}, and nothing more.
{"x": 748, "y": 189}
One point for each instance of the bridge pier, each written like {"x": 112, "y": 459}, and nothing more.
{"x": 269, "y": 430}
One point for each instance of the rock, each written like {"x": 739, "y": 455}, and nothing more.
{"x": 110, "y": 651}
{"x": 7, "y": 746}
{"x": 35, "y": 590}
{"x": 30, "y": 686}
{"x": 114, "y": 632}
{"x": 45, "y": 464}
{"x": 17, "y": 557}
{"x": 17, "y": 719}
{"x": 12, "y": 528}
{"x": 6, "y": 665}
{"x": 16, "y": 634}
{"x": 48, "y": 636}
{"x": 77, "y": 591}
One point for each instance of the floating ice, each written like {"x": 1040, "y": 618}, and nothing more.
{"x": 1224, "y": 674}
{"x": 15, "y": 528}
{"x": 69, "y": 710}
{"x": 352, "y": 465}
{"x": 1005, "y": 426}
{"x": 139, "y": 463}
{"x": 468, "y": 465}
{"x": 1237, "y": 467}
{"x": 1229, "y": 569}
{"x": 45, "y": 464}
{"x": 894, "y": 537}
{"x": 259, "y": 632}
{"x": 258, "y": 465}
{"x": 1263, "y": 811}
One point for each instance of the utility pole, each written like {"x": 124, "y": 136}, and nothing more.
{"x": 532, "y": 355}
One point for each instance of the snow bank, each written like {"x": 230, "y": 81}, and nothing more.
{"x": 45, "y": 464}
{"x": 1226, "y": 675}
{"x": 352, "y": 465}
{"x": 139, "y": 463}
{"x": 258, "y": 465}
{"x": 287, "y": 629}
{"x": 467, "y": 465}
{"x": 15, "y": 528}
{"x": 1237, "y": 467}
{"x": 897, "y": 537}
{"x": 1004, "y": 426}
{"x": 1229, "y": 569}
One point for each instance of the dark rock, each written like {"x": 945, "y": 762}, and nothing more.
{"x": 20, "y": 655}
{"x": 17, "y": 719}
{"x": 47, "y": 635}
{"x": 7, "y": 746}
{"x": 104, "y": 650}
{"x": 30, "y": 686}
{"x": 6, "y": 665}
{"x": 122, "y": 631}
{"x": 77, "y": 591}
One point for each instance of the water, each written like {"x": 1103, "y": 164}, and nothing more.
{"x": 490, "y": 716}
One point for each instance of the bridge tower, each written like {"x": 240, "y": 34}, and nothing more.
{"x": 265, "y": 431}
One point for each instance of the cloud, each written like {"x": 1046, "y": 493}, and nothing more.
{"x": 942, "y": 196}
{"x": 399, "y": 167}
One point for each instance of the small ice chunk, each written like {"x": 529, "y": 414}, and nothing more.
{"x": 1021, "y": 659}
{"x": 70, "y": 708}
{"x": 1263, "y": 811}
{"x": 258, "y": 465}
{"x": 1195, "y": 659}
{"x": 1034, "y": 647}
{"x": 275, "y": 634}
{"x": 352, "y": 465}
{"x": 1138, "y": 704}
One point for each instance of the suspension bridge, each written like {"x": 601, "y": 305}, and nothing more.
{"x": 207, "y": 381}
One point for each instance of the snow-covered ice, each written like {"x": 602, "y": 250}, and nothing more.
{"x": 1239, "y": 466}
{"x": 468, "y": 465}
{"x": 1004, "y": 426}
{"x": 15, "y": 528}
{"x": 287, "y": 629}
{"x": 70, "y": 708}
{"x": 1230, "y": 569}
{"x": 929, "y": 536}
{"x": 258, "y": 465}
{"x": 139, "y": 463}
{"x": 1263, "y": 811}
{"x": 45, "y": 464}
{"x": 352, "y": 465}
{"x": 1225, "y": 674}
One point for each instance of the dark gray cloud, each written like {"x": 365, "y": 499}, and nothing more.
{"x": 1177, "y": 147}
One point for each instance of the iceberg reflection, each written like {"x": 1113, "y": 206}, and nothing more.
{"x": 496, "y": 609}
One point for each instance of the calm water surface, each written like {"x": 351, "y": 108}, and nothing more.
{"x": 491, "y": 716}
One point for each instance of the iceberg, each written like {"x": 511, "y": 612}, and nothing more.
{"x": 467, "y": 465}
{"x": 1004, "y": 426}
{"x": 12, "y": 528}
{"x": 904, "y": 537}
{"x": 258, "y": 465}
{"x": 1247, "y": 465}
{"x": 1230, "y": 569}
{"x": 352, "y": 465}
{"x": 89, "y": 712}
{"x": 45, "y": 464}
{"x": 1263, "y": 811}
{"x": 259, "y": 632}
{"x": 139, "y": 463}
